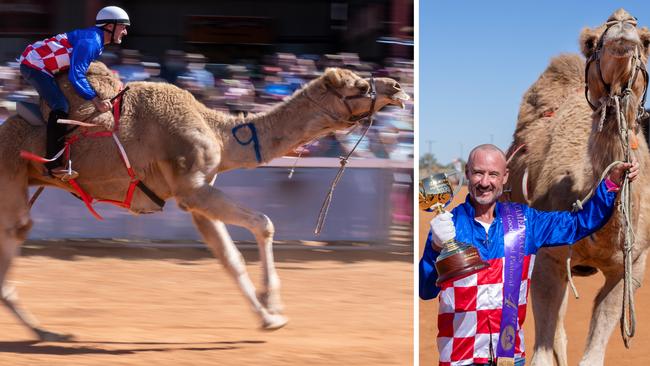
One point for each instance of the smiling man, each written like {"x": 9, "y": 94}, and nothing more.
{"x": 73, "y": 51}
{"x": 480, "y": 317}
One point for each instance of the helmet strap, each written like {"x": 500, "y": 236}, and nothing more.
{"x": 103, "y": 27}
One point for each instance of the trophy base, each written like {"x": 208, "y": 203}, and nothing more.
{"x": 459, "y": 263}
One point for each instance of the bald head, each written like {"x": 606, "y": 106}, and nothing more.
{"x": 489, "y": 148}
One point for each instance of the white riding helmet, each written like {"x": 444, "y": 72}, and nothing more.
{"x": 112, "y": 15}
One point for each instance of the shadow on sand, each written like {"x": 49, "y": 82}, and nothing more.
{"x": 84, "y": 348}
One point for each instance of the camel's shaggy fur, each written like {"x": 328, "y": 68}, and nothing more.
{"x": 565, "y": 154}
{"x": 177, "y": 146}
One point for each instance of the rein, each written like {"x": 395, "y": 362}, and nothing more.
{"x": 353, "y": 120}
{"x": 628, "y": 143}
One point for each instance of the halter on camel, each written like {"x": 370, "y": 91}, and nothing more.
{"x": 81, "y": 193}
{"x": 638, "y": 66}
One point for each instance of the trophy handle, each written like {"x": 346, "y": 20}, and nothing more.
{"x": 461, "y": 181}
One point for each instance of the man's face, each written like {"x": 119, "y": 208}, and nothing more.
{"x": 120, "y": 31}
{"x": 487, "y": 175}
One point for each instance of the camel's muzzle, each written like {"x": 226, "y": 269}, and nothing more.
{"x": 399, "y": 98}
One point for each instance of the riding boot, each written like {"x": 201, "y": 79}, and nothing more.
{"x": 55, "y": 143}
{"x": 55, "y": 133}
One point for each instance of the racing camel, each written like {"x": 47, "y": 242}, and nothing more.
{"x": 176, "y": 146}
{"x": 570, "y": 135}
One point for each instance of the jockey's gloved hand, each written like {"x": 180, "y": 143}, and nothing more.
{"x": 442, "y": 229}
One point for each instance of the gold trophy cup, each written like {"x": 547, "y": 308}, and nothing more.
{"x": 456, "y": 260}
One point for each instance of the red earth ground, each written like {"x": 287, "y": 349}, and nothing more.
{"x": 179, "y": 307}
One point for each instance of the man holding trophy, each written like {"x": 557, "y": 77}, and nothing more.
{"x": 483, "y": 300}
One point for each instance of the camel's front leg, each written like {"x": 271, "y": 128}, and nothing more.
{"x": 548, "y": 289}
{"x": 14, "y": 227}
{"x": 560, "y": 342}
{"x": 212, "y": 204}
{"x": 607, "y": 312}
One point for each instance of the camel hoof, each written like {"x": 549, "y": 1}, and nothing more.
{"x": 45, "y": 336}
{"x": 272, "y": 303}
{"x": 274, "y": 321}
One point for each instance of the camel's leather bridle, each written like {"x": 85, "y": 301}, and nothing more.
{"x": 372, "y": 94}
{"x": 352, "y": 119}
{"x": 638, "y": 66}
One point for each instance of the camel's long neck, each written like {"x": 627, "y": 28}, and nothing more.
{"x": 283, "y": 128}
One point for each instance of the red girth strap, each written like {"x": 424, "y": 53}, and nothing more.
{"x": 89, "y": 200}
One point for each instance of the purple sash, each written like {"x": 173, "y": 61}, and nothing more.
{"x": 514, "y": 234}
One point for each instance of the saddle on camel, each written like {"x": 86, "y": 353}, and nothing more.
{"x": 160, "y": 138}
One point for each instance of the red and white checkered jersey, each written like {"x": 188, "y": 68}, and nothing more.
{"x": 50, "y": 55}
{"x": 469, "y": 315}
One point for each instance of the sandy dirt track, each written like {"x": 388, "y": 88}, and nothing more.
{"x": 577, "y": 320}
{"x": 179, "y": 307}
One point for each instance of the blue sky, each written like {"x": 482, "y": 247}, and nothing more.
{"x": 477, "y": 58}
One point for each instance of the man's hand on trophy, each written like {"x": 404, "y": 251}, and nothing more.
{"x": 442, "y": 229}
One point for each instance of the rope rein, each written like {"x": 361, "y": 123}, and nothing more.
{"x": 344, "y": 160}
{"x": 628, "y": 316}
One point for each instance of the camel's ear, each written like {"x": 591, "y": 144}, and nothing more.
{"x": 362, "y": 85}
{"x": 333, "y": 77}
{"x": 644, "y": 34}
{"x": 588, "y": 41}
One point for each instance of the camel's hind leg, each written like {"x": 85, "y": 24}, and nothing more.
{"x": 14, "y": 227}
{"x": 210, "y": 209}
{"x": 548, "y": 290}
{"x": 607, "y": 312}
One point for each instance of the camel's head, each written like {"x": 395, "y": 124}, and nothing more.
{"x": 617, "y": 53}
{"x": 346, "y": 97}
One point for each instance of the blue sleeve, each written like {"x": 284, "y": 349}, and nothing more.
{"x": 85, "y": 51}
{"x": 563, "y": 227}
{"x": 428, "y": 273}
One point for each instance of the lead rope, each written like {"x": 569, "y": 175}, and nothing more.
{"x": 295, "y": 162}
{"x": 344, "y": 160}
{"x": 628, "y": 316}
{"x": 577, "y": 206}
{"x": 328, "y": 198}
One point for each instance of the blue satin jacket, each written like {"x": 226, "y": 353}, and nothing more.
{"x": 88, "y": 44}
{"x": 543, "y": 228}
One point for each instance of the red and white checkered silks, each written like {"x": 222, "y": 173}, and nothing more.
{"x": 469, "y": 315}
{"x": 49, "y": 55}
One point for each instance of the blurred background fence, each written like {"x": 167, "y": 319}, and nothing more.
{"x": 369, "y": 201}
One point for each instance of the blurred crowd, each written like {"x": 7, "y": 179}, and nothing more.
{"x": 251, "y": 87}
